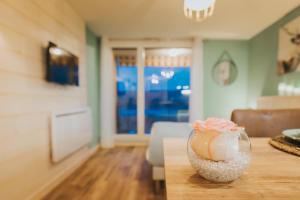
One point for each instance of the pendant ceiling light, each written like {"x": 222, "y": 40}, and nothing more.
{"x": 198, "y": 9}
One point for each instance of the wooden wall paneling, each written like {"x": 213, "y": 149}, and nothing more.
{"x": 15, "y": 83}
{"x": 16, "y": 21}
{"x": 38, "y": 29}
{"x": 11, "y": 40}
{"x": 23, "y": 104}
{"x": 63, "y": 14}
{"x": 15, "y": 62}
{"x": 27, "y": 99}
{"x": 278, "y": 102}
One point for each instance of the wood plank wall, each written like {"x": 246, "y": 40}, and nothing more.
{"x": 278, "y": 102}
{"x": 26, "y": 99}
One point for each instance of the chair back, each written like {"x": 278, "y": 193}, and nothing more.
{"x": 266, "y": 123}
{"x": 161, "y": 130}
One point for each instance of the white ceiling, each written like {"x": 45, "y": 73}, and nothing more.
{"x": 232, "y": 19}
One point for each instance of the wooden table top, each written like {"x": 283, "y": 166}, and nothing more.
{"x": 272, "y": 174}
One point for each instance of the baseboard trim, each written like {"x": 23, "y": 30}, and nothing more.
{"x": 49, "y": 186}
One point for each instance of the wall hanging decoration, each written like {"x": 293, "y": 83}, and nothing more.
{"x": 289, "y": 47}
{"x": 225, "y": 70}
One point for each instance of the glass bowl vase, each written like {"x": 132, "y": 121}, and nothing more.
{"x": 219, "y": 157}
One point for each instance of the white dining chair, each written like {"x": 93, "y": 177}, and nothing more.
{"x": 154, "y": 154}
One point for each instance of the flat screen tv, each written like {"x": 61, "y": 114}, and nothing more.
{"x": 62, "y": 66}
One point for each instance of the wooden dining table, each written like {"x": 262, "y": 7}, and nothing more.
{"x": 272, "y": 174}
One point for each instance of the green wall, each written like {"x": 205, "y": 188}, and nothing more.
{"x": 93, "y": 81}
{"x": 219, "y": 101}
{"x": 263, "y": 78}
{"x": 255, "y": 59}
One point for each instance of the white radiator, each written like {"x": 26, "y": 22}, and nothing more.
{"x": 69, "y": 132}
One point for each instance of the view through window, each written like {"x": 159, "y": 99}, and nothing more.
{"x": 166, "y": 87}
{"x": 126, "y": 72}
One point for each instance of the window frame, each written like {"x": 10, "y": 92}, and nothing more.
{"x": 141, "y": 46}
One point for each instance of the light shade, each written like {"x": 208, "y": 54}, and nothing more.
{"x": 198, "y": 9}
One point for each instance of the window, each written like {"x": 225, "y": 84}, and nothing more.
{"x": 126, "y": 88}
{"x": 165, "y": 74}
{"x": 167, "y": 85}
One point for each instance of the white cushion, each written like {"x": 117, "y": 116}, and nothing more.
{"x": 161, "y": 130}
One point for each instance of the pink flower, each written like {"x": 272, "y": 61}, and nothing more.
{"x": 216, "y": 124}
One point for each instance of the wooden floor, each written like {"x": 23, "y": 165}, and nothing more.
{"x": 119, "y": 173}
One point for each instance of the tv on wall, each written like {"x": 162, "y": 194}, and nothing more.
{"x": 62, "y": 66}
